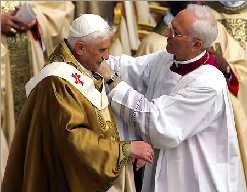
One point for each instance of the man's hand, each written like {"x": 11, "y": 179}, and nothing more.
{"x": 141, "y": 150}
{"x": 105, "y": 70}
{"x": 224, "y": 66}
{"x": 140, "y": 163}
{"x": 10, "y": 24}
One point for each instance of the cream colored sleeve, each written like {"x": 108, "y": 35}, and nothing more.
{"x": 54, "y": 19}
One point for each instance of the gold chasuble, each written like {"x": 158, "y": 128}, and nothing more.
{"x": 66, "y": 139}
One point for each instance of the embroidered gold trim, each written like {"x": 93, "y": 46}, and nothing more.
{"x": 20, "y": 68}
{"x": 101, "y": 120}
{"x": 108, "y": 127}
{"x": 7, "y": 6}
{"x": 106, "y": 187}
{"x": 237, "y": 28}
{"x": 124, "y": 158}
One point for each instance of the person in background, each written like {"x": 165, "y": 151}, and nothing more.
{"x": 155, "y": 40}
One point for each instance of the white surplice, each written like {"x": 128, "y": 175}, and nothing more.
{"x": 188, "y": 119}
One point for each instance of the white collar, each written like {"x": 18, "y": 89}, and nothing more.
{"x": 191, "y": 60}
{"x": 65, "y": 71}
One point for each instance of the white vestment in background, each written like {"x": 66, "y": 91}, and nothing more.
{"x": 188, "y": 118}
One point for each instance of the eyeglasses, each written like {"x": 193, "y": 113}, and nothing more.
{"x": 174, "y": 33}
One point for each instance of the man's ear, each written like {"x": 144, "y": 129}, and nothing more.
{"x": 80, "y": 47}
{"x": 197, "y": 45}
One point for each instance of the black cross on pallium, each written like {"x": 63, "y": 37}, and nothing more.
{"x": 77, "y": 78}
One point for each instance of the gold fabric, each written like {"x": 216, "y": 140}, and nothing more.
{"x": 127, "y": 37}
{"x": 121, "y": 43}
{"x": 7, "y": 6}
{"x": 102, "y": 8}
{"x": 62, "y": 142}
{"x": 237, "y": 28}
{"x": 4, "y": 151}
{"x": 151, "y": 43}
{"x": 124, "y": 183}
{"x": 20, "y": 67}
{"x": 235, "y": 24}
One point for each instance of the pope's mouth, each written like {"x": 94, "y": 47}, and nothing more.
{"x": 100, "y": 61}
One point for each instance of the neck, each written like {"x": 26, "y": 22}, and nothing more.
{"x": 191, "y": 58}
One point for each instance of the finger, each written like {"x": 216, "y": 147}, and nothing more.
{"x": 152, "y": 152}
{"x": 14, "y": 25}
{"x": 18, "y": 27}
{"x": 138, "y": 167}
{"x": 140, "y": 163}
{"x": 149, "y": 158}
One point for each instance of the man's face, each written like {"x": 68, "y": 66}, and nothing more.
{"x": 179, "y": 41}
{"x": 94, "y": 52}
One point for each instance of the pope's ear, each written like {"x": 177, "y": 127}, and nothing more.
{"x": 80, "y": 47}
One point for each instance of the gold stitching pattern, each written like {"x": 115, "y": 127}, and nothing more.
{"x": 125, "y": 155}
{"x": 20, "y": 68}
{"x": 7, "y": 6}
{"x": 101, "y": 120}
{"x": 237, "y": 28}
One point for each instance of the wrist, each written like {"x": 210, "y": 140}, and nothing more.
{"x": 113, "y": 81}
{"x": 113, "y": 78}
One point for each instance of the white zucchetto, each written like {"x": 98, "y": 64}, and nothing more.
{"x": 87, "y": 24}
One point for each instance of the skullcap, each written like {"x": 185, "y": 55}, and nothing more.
{"x": 87, "y": 24}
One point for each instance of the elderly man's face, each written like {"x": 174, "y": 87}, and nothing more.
{"x": 179, "y": 41}
{"x": 94, "y": 52}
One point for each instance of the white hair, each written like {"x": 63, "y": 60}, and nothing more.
{"x": 205, "y": 26}
{"x": 88, "y": 27}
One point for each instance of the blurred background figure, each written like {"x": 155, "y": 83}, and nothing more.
{"x": 102, "y": 8}
{"x": 129, "y": 19}
{"x": 29, "y": 33}
{"x": 155, "y": 40}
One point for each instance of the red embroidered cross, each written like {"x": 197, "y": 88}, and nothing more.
{"x": 77, "y": 78}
